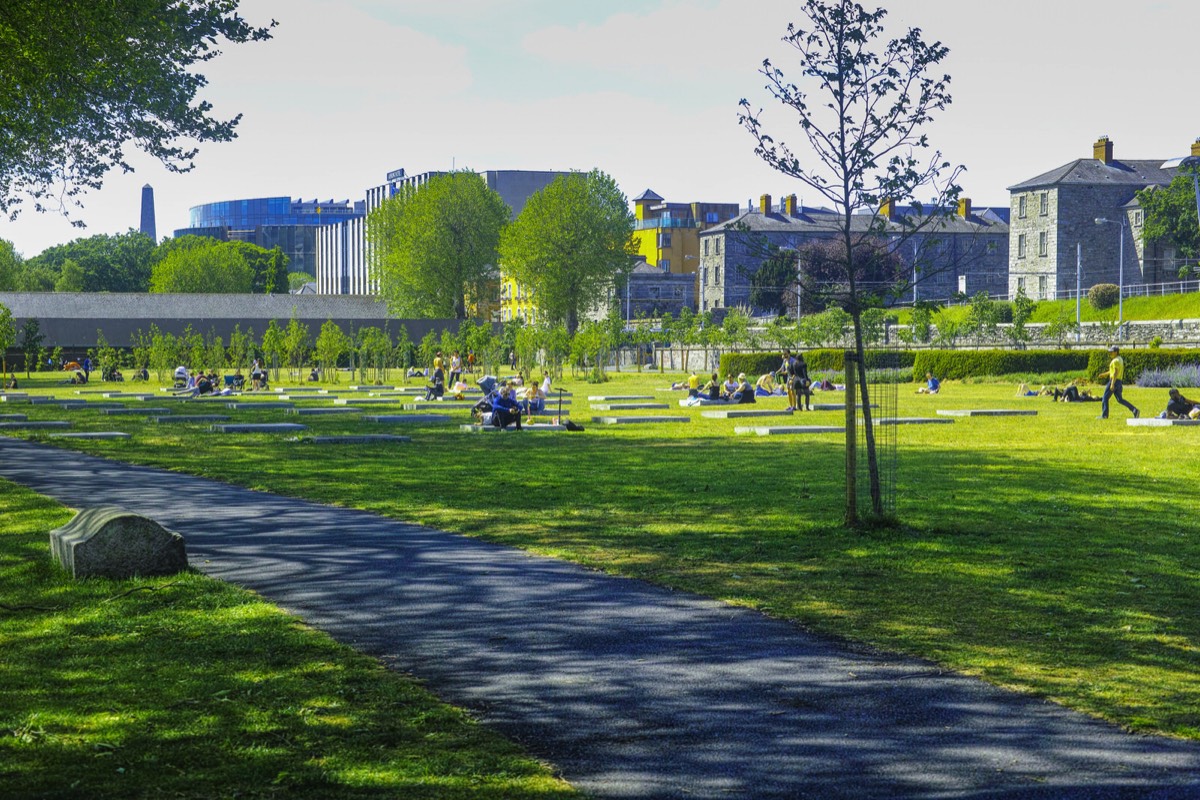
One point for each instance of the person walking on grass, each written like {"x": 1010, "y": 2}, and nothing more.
{"x": 1116, "y": 379}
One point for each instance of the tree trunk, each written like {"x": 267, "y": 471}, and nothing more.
{"x": 868, "y": 422}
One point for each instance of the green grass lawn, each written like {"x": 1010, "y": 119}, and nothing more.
{"x": 1057, "y": 554}
{"x": 1169, "y": 307}
{"x": 185, "y": 687}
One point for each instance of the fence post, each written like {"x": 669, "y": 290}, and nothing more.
{"x": 851, "y": 364}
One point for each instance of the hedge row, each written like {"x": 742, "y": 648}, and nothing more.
{"x": 958, "y": 364}
{"x": 818, "y": 360}
{"x": 1138, "y": 361}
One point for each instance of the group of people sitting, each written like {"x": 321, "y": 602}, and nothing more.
{"x": 507, "y": 402}
{"x": 1180, "y": 407}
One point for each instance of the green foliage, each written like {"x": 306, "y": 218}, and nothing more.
{"x": 1155, "y": 342}
{"x": 10, "y": 266}
{"x": 296, "y": 280}
{"x": 983, "y": 318}
{"x": 8, "y": 334}
{"x": 1022, "y": 309}
{"x": 296, "y": 344}
{"x": 1103, "y": 295}
{"x": 920, "y": 325}
{"x": 100, "y": 263}
{"x": 772, "y": 286}
{"x": 89, "y": 78}
{"x": 1170, "y": 215}
{"x": 205, "y": 266}
{"x": 31, "y": 343}
{"x": 434, "y": 247}
{"x": 273, "y": 348}
{"x": 332, "y": 344}
{"x": 1060, "y": 327}
{"x": 241, "y": 347}
{"x": 1138, "y": 361}
{"x": 572, "y": 242}
{"x": 819, "y": 360}
{"x": 827, "y": 328}
{"x": 375, "y": 351}
{"x": 959, "y": 364}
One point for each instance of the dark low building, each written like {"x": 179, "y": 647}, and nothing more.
{"x": 74, "y": 321}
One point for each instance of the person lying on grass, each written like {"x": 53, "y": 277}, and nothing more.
{"x": 1180, "y": 407}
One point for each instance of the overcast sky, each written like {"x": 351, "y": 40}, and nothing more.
{"x": 646, "y": 90}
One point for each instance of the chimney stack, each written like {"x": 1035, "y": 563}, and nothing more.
{"x": 888, "y": 209}
{"x": 789, "y": 205}
{"x": 764, "y": 204}
{"x": 1102, "y": 150}
{"x": 964, "y": 207}
{"x": 1196, "y": 148}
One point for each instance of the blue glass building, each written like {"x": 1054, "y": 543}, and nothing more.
{"x": 272, "y": 222}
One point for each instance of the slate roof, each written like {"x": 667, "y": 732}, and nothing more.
{"x": 825, "y": 221}
{"x": 1093, "y": 172}
{"x": 648, "y": 196}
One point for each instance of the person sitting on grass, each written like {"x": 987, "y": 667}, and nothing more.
{"x": 744, "y": 392}
{"x": 314, "y": 376}
{"x": 1180, "y": 407}
{"x": 712, "y": 389}
{"x": 505, "y": 410}
{"x": 11, "y": 383}
{"x": 730, "y": 386}
{"x": 932, "y": 385}
{"x": 765, "y": 385}
{"x": 437, "y": 389}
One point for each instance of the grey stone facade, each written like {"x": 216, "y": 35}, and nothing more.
{"x": 1053, "y": 229}
{"x": 967, "y": 252}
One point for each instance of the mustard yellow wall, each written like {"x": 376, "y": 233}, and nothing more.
{"x": 684, "y": 242}
{"x": 516, "y": 302}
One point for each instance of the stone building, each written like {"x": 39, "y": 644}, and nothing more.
{"x": 963, "y": 252}
{"x": 1054, "y": 228}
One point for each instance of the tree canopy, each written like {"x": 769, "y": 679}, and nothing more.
{"x": 193, "y": 264}
{"x": 81, "y": 79}
{"x": 570, "y": 245}
{"x": 1170, "y": 215}
{"x": 434, "y": 247}
{"x": 772, "y": 286}
{"x": 100, "y": 263}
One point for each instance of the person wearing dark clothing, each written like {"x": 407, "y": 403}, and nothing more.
{"x": 1116, "y": 380}
{"x": 712, "y": 389}
{"x": 800, "y": 383}
{"x": 437, "y": 389}
{"x": 505, "y": 410}
{"x": 744, "y": 392}
{"x": 1178, "y": 406}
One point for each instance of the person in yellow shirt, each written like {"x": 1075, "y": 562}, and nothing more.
{"x": 1116, "y": 378}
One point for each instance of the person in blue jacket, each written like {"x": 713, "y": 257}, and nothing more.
{"x": 932, "y": 385}
{"x": 505, "y": 410}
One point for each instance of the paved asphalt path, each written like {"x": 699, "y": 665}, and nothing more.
{"x": 632, "y": 691}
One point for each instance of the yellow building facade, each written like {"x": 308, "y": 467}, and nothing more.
{"x": 668, "y": 234}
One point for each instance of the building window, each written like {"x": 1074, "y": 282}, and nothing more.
{"x": 1020, "y": 285}
{"x": 678, "y": 292}
{"x": 1138, "y": 219}
{"x": 1020, "y": 245}
{"x": 1021, "y": 207}
{"x": 664, "y": 239}
{"x": 706, "y": 247}
{"x": 1043, "y": 244}
{"x": 1042, "y": 286}
{"x": 719, "y": 246}
{"x": 652, "y": 292}
{"x": 665, "y": 264}
{"x": 1044, "y": 204}
{"x": 710, "y": 216}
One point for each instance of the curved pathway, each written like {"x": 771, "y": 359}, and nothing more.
{"x": 631, "y": 690}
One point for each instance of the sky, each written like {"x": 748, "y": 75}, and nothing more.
{"x": 646, "y": 90}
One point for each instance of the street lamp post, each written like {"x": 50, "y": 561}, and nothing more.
{"x": 1120, "y": 274}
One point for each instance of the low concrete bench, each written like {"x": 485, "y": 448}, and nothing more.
{"x": 536, "y": 427}
{"x": 307, "y": 398}
{"x": 28, "y": 425}
{"x": 127, "y": 396}
{"x": 13, "y": 418}
{"x": 110, "y": 542}
{"x": 1156, "y": 422}
{"x": 361, "y": 401}
{"x": 300, "y": 390}
{"x": 836, "y": 406}
{"x": 358, "y": 438}
{"x": 430, "y": 405}
{"x": 788, "y": 430}
{"x": 91, "y": 435}
{"x": 911, "y": 421}
{"x": 607, "y": 398}
{"x": 14, "y": 398}
{"x": 408, "y": 419}
{"x": 739, "y": 413}
{"x": 986, "y": 412}
{"x": 183, "y": 418}
{"x": 265, "y": 427}
{"x": 123, "y": 412}
{"x": 628, "y": 406}
{"x": 264, "y": 406}
{"x": 368, "y": 388}
{"x": 314, "y": 412}
{"x": 638, "y": 420}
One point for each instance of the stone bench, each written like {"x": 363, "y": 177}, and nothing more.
{"x": 986, "y": 412}
{"x": 408, "y": 419}
{"x": 788, "y": 430}
{"x": 34, "y": 425}
{"x": 13, "y": 418}
{"x": 911, "y": 421}
{"x": 307, "y": 398}
{"x": 628, "y": 406}
{"x": 836, "y": 406}
{"x": 536, "y": 427}
{"x": 14, "y": 398}
{"x": 374, "y": 401}
{"x": 127, "y": 396}
{"x": 265, "y": 427}
{"x": 119, "y": 412}
{"x": 380, "y": 388}
{"x": 739, "y": 413}
{"x": 300, "y": 390}
{"x": 183, "y": 418}
{"x": 262, "y": 406}
{"x": 429, "y": 405}
{"x": 638, "y": 420}
{"x": 110, "y": 542}
{"x": 73, "y": 405}
{"x": 358, "y": 438}
{"x": 1156, "y": 422}
{"x": 91, "y": 435}
{"x": 313, "y": 412}
{"x": 606, "y": 398}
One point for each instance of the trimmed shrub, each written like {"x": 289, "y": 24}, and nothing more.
{"x": 959, "y": 364}
{"x": 1103, "y": 295}
{"x": 1138, "y": 361}
{"x": 825, "y": 359}
{"x": 1185, "y": 375}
